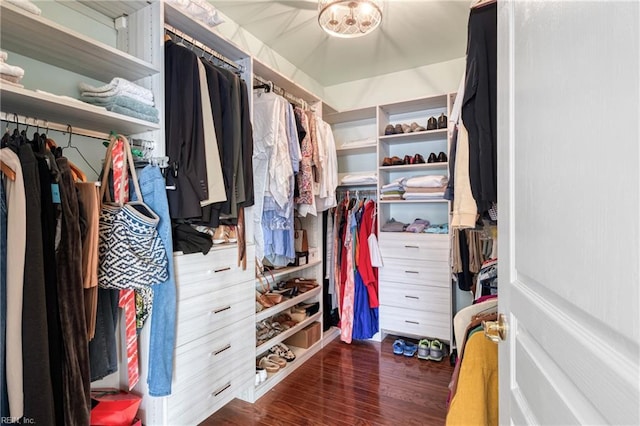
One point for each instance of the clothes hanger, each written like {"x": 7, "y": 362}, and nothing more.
{"x": 75, "y": 170}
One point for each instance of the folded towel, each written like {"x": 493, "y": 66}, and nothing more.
{"x": 131, "y": 113}
{"x": 392, "y": 188}
{"x": 427, "y": 181}
{"x": 11, "y": 83}
{"x": 353, "y": 179}
{"x": 120, "y": 85}
{"x": 421, "y": 196}
{"x": 432, "y": 190}
{"x": 3, "y": 56}
{"x": 11, "y": 70}
{"x": 123, "y": 101}
{"x": 113, "y": 93}
{"x": 26, "y": 5}
{"x": 11, "y": 78}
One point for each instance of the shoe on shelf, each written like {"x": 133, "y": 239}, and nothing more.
{"x": 398, "y": 347}
{"x": 432, "y": 158}
{"x": 269, "y": 365}
{"x": 406, "y": 128}
{"x": 416, "y": 128}
{"x": 389, "y": 130}
{"x": 423, "y": 349}
{"x": 436, "y": 351}
{"x": 418, "y": 159}
{"x": 398, "y": 129}
{"x": 432, "y": 123}
{"x": 283, "y": 352}
{"x": 410, "y": 349}
{"x": 221, "y": 235}
{"x": 396, "y": 161}
{"x": 408, "y": 159}
{"x": 442, "y": 121}
{"x": 275, "y": 358}
{"x": 442, "y": 157}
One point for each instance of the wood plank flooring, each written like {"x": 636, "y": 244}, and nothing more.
{"x": 359, "y": 384}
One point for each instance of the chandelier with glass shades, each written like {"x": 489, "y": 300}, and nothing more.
{"x": 349, "y": 18}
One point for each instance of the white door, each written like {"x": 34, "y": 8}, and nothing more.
{"x": 569, "y": 191}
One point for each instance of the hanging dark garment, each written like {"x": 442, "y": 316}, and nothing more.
{"x": 247, "y": 198}
{"x": 49, "y": 215}
{"x": 479, "y": 104}
{"x": 76, "y": 378}
{"x": 38, "y": 393}
{"x": 184, "y": 133}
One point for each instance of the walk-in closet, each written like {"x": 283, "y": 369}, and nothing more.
{"x": 319, "y": 212}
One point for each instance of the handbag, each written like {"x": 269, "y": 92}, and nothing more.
{"x": 131, "y": 254}
{"x": 300, "y": 241}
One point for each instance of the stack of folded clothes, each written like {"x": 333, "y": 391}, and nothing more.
{"x": 393, "y": 190}
{"x": 123, "y": 97}
{"x": 361, "y": 179}
{"x": 429, "y": 187}
{"x": 10, "y": 74}
{"x": 393, "y": 225}
{"x": 26, "y": 5}
{"x": 437, "y": 229}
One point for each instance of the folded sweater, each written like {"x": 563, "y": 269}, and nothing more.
{"x": 113, "y": 93}
{"x": 427, "y": 181}
{"x": 119, "y": 85}
{"x": 123, "y": 101}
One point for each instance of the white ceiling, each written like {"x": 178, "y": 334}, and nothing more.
{"x": 413, "y": 33}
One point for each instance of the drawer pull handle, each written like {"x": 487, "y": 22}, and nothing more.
{"x": 412, "y": 297}
{"x": 411, "y": 272}
{"x": 219, "y": 351}
{"x": 224, "y": 388}
{"x": 226, "y": 308}
{"x": 411, "y": 322}
{"x": 222, "y": 270}
{"x": 415, "y": 247}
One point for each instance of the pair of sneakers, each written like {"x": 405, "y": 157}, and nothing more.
{"x": 430, "y": 350}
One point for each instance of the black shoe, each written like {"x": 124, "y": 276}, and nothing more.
{"x": 442, "y": 157}
{"x": 442, "y": 121}
{"x": 432, "y": 158}
{"x": 432, "y": 123}
{"x": 418, "y": 159}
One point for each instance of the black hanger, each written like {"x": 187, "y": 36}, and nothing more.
{"x": 69, "y": 145}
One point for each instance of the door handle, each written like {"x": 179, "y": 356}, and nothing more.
{"x": 496, "y": 331}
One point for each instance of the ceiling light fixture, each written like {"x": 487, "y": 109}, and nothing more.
{"x": 349, "y": 18}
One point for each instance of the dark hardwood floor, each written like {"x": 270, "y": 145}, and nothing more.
{"x": 359, "y": 384}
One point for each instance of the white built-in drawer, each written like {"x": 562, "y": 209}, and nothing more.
{"x": 197, "y": 274}
{"x": 415, "y": 323}
{"x": 198, "y": 316}
{"x": 428, "y": 299}
{"x": 425, "y": 273}
{"x": 213, "y": 351}
{"x": 210, "y": 390}
{"x": 407, "y": 245}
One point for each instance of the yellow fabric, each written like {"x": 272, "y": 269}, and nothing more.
{"x": 476, "y": 398}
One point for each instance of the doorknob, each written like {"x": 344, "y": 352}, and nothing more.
{"x": 496, "y": 331}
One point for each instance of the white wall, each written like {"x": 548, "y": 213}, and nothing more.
{"x": 414, "y": 83}
{"x": 249, "y": 43}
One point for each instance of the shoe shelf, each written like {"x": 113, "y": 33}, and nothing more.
{"x": 44, "y": 40}
{"x": 415, "y": 167}
{"x": 356, "y": 149}
{"x": 279, "y": 273}
{"x": 287, "y": 333}
{"x": 302, "y": 355}
{"x": 442, "y": 200}
{"x": 424, "y": 136}
{"x": 269, "y": 312}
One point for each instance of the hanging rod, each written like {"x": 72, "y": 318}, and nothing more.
{"x": 48, "y": 125}
{"x": 280, "y": 91}
{"x": 204, "y": 48}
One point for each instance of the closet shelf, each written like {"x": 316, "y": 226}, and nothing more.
{"x": 288, "y": 333}
{"x": 266, "y": 313}
{"x": 414, "y": 167}
{"x": 44, "y": 40}
{"x": 412, "y": 201}
{"x": 116, "y": 8}
{"x": 357, "y": 149}
{"x": 368, "y": 113}
{"x": 279, "y": 273}
{"x": 77, "y": 114}
{"x": 425, "y": 136}
{"x": 302, "y": 355}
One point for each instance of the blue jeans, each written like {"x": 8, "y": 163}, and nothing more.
{"x": 163, "y": 316}
{"x": 4, "y": 397}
